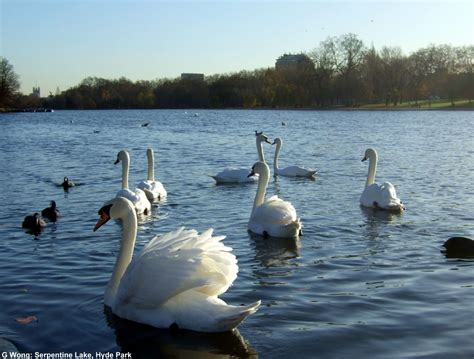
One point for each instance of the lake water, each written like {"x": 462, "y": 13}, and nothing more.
{"x": 356, "y": 285}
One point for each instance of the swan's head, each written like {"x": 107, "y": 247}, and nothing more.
{"x": 117, "y": 207}
{"x": 121, "y": 156}
{"x": 53, "y": 204}
{"x": 370, "y": 154}
{"x": 261, "y": 137}
{"x": 277, "y": 141}
{"x": 259, "y": 168}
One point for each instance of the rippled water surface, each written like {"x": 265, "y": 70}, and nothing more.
{"x": 357, "y": 284}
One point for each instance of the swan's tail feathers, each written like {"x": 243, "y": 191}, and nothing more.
{"x": 296, "y": 227}
{"x": 234, "y": 315}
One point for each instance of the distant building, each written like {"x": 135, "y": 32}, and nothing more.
{"x": 192, "y": 76}
{"x": 293, "y": 62}
{"x": 36, "y": 92}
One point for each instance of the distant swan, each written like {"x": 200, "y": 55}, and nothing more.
{"x": 137, "y": 197}
{"x": 290, "y": 171}
{"x": 51, "y": 213}
{"x": 375, "y": 196}
{"x": 176, "y": 279}
{"x": 272, "y": 217}
{"x": 154, "y": 190}
{"x": 241, "y": 175}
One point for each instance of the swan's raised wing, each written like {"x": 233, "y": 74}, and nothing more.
{"x": 388, "y": 196}
{"x": 128, "y": 194}
{"x": 174, "y": 263}
{"x": 383, "y": 196}
{"x": 275, "y": 211}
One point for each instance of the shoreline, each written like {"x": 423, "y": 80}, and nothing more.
{"x": 330, "y": 108}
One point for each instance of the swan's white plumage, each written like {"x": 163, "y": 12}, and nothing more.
{"x": 175, "y": 279}
{"x": 234, "y": 175}
{"x": 241, "y": 175}
{"x": 289, "y": 171}
{"x": 153, "y": 189}
{"x": 138, "y": 197}
{"x": 274, "y": 216}
{"x": 382, "y": 196}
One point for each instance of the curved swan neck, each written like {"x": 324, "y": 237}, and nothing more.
{"x": 151, "y": 165}
{"x": 372, "y": 170}
{"x": 261, "y": 156}
{"x": 125, "y": 169}
{"x": 124, "y": 257}
{"x": 262, "y": 188}
{"x": 275, "y": 158}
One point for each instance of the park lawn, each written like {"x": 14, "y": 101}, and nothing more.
{"x": 424, "y": 105}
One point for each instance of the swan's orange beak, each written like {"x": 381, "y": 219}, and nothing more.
{"x": 104, "y": 218}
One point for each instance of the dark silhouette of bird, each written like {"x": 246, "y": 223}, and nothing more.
{"x": 51, "y": 213}
{"x": 33, "y": 223}
{"x": 459, "y": 247}
{"x": 67, "y": 183}
{"x": 145, "y": 124}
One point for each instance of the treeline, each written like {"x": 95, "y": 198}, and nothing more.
{"x": 340, "y": 71}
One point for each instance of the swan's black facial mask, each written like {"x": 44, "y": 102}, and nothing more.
{"x": 252, "y": 173}
{"x": 104, "y": 214}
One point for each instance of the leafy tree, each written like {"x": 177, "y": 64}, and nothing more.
{"x": 9, "y": 83}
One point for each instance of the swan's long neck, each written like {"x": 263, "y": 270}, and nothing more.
{"x": 124, "y": 257}
{"x": 372, "y": 169}
{"x": 275, "y": 159}
{"x": 125, "y": 168}
{"x": 261, "y": 156}
{"x": 262, "y": 188}
{"x": 151, "y": 165}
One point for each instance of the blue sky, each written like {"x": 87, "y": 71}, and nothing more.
{"x": 57, "y": 43}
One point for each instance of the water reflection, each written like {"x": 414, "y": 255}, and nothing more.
{"x": 274, "y": 252}
{"x": 375, "y": 220}
{"x": 144, "y": 341}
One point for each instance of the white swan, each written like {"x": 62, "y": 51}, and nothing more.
{"x": 137, "y": 196}
{"x": 175, "y": 280}
{"x": 241, "y": 175}
{"x": 290, "y": 171}
{"x": 375, "y": 196}
{"x": 272, "y": 217}
{"x": 154, "y": 190}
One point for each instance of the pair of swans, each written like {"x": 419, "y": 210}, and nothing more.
{"x": 176, "y": 279}
{"x": 147, "y": 191}
{"x": 241, "y": 175}
{"x": 376, "y": 196}
{"x": 277, "y": 218}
